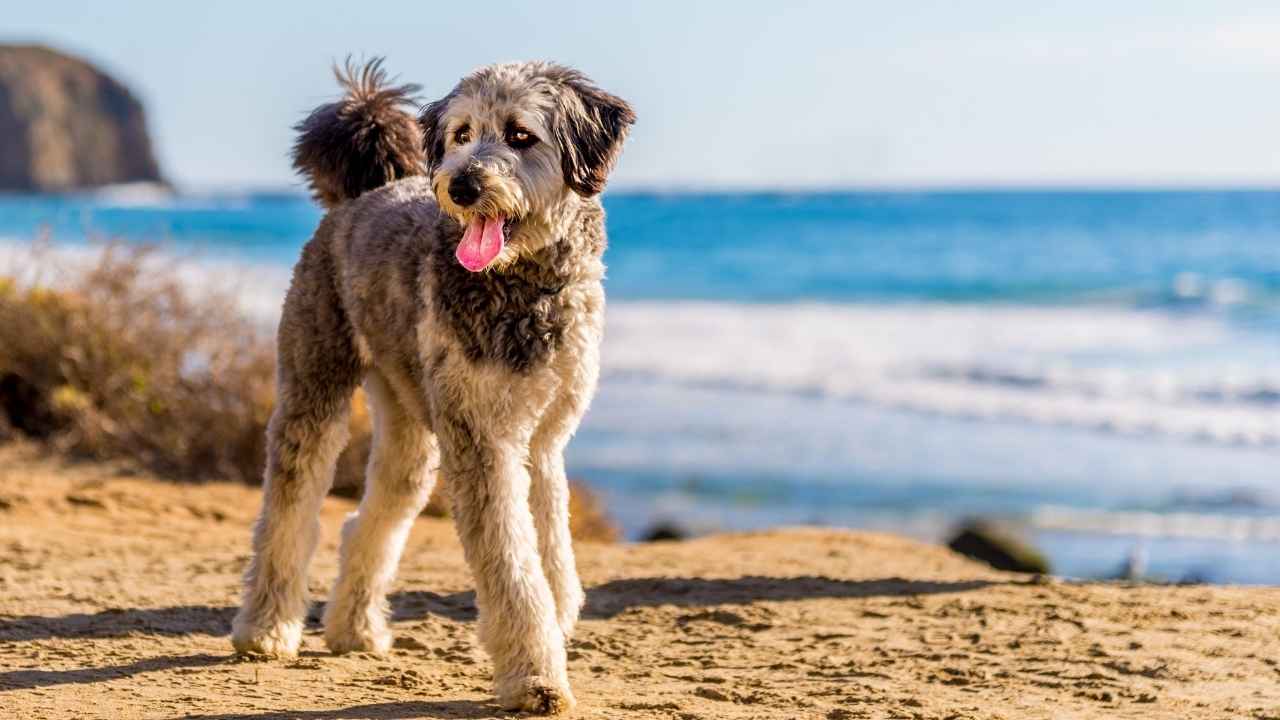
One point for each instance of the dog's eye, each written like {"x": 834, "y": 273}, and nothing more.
{"x": 519, "y": 138}
{"x": 462, "y": 135}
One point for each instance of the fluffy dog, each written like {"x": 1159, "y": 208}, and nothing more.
{"x": 457, "y": 275}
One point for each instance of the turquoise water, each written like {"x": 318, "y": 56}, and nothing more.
{"x": 1100, "y": 367}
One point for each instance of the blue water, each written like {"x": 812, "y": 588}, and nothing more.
{"x": 951, "y": 247}
{"x": 1100, "y": 368}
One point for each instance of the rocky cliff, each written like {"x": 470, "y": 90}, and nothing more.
{"x": 64, "y": 125}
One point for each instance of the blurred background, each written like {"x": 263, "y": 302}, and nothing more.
{"x": 891, "y": 267}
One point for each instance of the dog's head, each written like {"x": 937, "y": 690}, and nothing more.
{"x": 512, "y": 146}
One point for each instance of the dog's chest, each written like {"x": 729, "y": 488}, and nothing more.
{"x": 517, "y": 319}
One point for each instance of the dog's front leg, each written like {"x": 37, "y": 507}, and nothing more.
{"x": 489, "y": 490}
{"x": 578, "y": 372}
{"x": 550, "y": 505}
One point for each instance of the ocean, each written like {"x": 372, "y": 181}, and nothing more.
{"x": 1100, "y": 369}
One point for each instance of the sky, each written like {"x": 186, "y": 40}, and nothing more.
{"x": 737, "y": 94}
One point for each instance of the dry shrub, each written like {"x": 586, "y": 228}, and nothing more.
{"x": 119, "y": 359}
{"x": 588, "y": 519}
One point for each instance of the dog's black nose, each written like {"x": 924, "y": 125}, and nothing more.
{"x": 464, "y": 189}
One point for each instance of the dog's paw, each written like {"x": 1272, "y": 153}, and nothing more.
{"x": 343, "y": 638}
{"x": 537, "y": 695}
{"x": 278, "y": 640}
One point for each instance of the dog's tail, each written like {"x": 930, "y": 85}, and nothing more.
{"x": 363, "y": 141}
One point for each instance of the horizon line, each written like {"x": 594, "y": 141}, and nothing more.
{"x": 691, "y": 188}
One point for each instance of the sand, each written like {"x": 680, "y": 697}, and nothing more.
{"x": 117, "y": 590}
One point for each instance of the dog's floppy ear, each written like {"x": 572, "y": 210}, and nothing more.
{"x": 432, "y": 133}
{"x": 590, "y": 127}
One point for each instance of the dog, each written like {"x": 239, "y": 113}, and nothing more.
{"x": 457, "y": 276}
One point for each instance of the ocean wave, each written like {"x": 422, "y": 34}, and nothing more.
{"x": 1155, "y": 386}
{"x": 1114, "y": 370}
{"x": 158, "y": 196}
{"x": 133, "y": 195}
{"x": 1185, "y": 525}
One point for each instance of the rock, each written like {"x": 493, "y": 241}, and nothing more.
{"x": 664, "y": 532}
{"x": 997, "y": 547}
{"x": 65, "y": 125}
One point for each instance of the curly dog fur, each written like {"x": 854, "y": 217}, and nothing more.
{"x": 483, "y": 375}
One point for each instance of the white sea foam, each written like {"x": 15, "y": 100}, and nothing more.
{"x": 1117, "y": 370}
{"x": 1200, "y": 526}
{"x": 134, "y": 194}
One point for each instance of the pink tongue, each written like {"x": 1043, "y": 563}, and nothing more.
{"x": 481, "y": 243}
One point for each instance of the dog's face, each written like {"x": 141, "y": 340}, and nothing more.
{"x": 511, "y": 147}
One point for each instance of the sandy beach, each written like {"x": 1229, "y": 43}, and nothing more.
{"x": 117, "y": 590}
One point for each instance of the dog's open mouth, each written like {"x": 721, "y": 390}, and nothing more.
{"x": 483, "y": 240}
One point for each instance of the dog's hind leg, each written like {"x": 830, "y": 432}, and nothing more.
{"x": 318, "y": 369}
{"x": 397, "y": 486}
